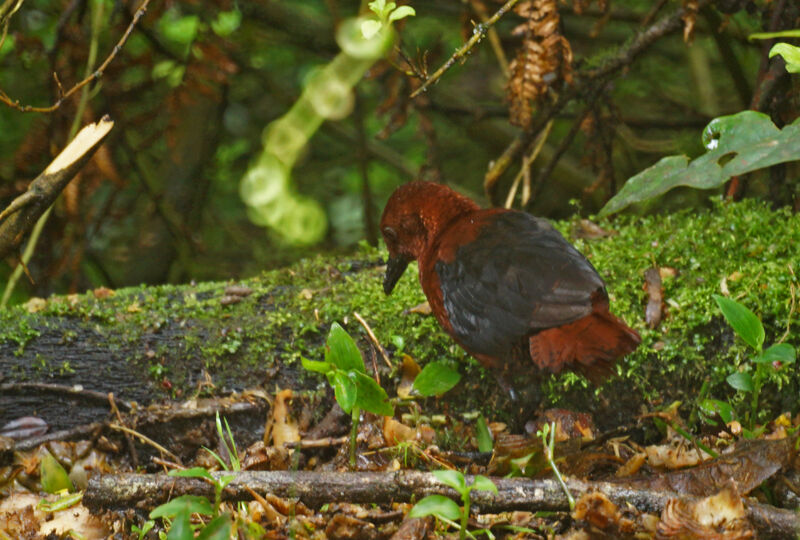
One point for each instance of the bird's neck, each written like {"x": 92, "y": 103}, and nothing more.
{"x": 440, "y": 213}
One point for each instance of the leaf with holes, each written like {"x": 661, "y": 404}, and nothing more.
{"x": 736, "y": 144}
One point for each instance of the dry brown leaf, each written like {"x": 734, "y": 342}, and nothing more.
{"x": 284, "y": 428}
{"x": 409, "y": 370}
{"x": 543, "y": 60}
{"x": 718, "y": 517}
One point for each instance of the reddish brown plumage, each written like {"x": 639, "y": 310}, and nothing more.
{"x": 505, "y": 285}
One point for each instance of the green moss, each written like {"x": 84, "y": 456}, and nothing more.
{"x": 288, "y": 314}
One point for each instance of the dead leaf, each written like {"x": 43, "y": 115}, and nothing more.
{"x": 395, "y": 432}
{"x": 284, "y": 428}
{"x": 35, "y": 304}
{"x": 409, "y": 370}
{"x": 420, "y": 309}
{"x": 655, "y": 297}
{"x": 748, "y": 464}
{"x": 101, "y": 293}
{"x": 718, "y": 517}
{"x": 591, "y": 230}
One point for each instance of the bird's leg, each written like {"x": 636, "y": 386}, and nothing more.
{"x": 502, "y": 381}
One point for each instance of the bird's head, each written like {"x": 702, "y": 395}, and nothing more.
{"x": 414, "y": 215}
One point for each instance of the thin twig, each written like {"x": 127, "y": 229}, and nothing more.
{"x": 373, "y": 339}
{"x": 145, "y": 439}
{"x": 477, "y": 34}
{"x": 793, "y": 292}
{"x": 50, "y": 388}
{"x": 128, "y": 440}
{"x": 494, "y": 38}
{"x": 96, "y": 74}
{"x": 526, "y": 163}
{"x": 318, "y": 443}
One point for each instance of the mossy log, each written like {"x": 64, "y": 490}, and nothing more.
{"x": 165, "y": 343}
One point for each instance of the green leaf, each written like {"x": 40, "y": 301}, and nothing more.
{"x": 436, "y": 505}
{"x": 53, "y": 476}
{"x": 370, "y": 28}
{"x": 192, "y": 504}
{"x": 737, "y": 144}
{"x": 482, "y": 483}
{"x": 780, "y": 352}
{"x": 743, "y": 321}
{"x": 436, "y": 378}
{"x": 401, "y": 13}
{"x": 454, "y": 479}
{"x": 314, "y": 365}
{"x": 180, "y": 29}
{"x": 790, "y": 54}
{"x": 181, "y": 527}
{"x": 484, "y": 436}
{"x": 61, "y": 503}
{"x": 341, "y": 350}
{"x": 194, "y": 472}
{"x": 712, "y": 407}
{"x": 741, "y": 381}
{"x": 218, "y": 528}
{"x": 371, "y": 397}
{"x": 377, "y": 7}
{"x": 345, "y": 390}
{"x": 227, "y": 22}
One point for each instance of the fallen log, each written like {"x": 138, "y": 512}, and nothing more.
{"x": 314, "y": 489}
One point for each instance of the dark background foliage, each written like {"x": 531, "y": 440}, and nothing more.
{"x": 192, "y": 90}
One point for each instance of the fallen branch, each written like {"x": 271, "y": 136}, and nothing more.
{"x": 23, "y": 212}
{"x": 314, "y": 489}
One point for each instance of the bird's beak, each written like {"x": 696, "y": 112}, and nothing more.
{"x": 395, "y": 267}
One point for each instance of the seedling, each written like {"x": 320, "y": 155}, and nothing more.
{"x": 446, "y": 509}
{"x": 387, "y": 13}
{"x": 353, "y": 388}
{"x": 766, "y": 362}
{"x": 548, "y": 436}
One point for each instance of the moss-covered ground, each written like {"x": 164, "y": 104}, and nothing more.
{"x": 746, "y": 248}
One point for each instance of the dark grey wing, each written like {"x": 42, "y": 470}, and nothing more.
{"x": 518, "y": 276}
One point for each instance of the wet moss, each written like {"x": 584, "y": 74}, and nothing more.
{"x": 747, "y": 246}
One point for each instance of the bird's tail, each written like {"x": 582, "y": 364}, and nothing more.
{"x": 589, "y": 345}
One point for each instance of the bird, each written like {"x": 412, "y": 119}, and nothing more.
{"x": 504, "y": 284}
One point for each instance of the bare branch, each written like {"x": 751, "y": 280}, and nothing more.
{"x": 477, "y": 35}
{"x": 22, "y": 213}
{"x": 4, "y": 98}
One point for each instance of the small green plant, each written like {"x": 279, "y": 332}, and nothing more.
{"x": 484, "y": 435}
{"x": 435, "y": 379}
{"x": 226, "y": 437}
{"x": 766, "y": 362}
{"x": 790, "y": 53}
{"x": 446, "y": 509}
{"x": 178, "y": 510}
{"x": 52, "y": 475}
{"x": 387, "y": 13}
{"x": 548, "y": 436}
{"x": 353, "y": 388}
{"x": 149, "y": 524}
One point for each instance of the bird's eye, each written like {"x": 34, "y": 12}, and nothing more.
{"x": 389, "y": 233}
